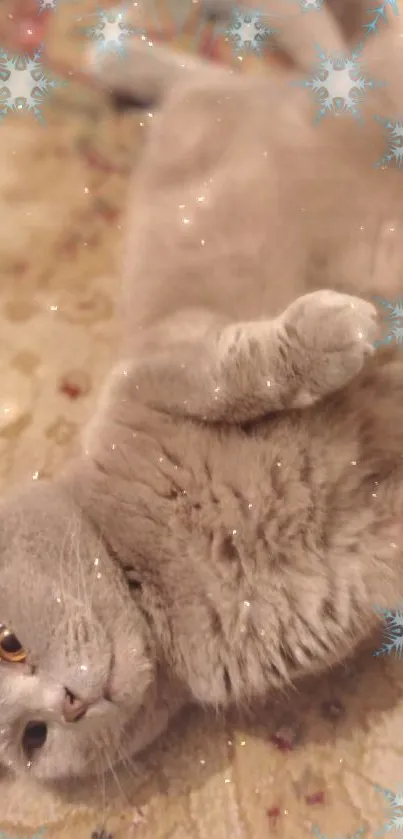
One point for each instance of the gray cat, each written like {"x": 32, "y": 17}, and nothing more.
{"x": 235, "y": 513}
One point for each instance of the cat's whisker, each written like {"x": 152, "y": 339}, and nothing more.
{"x": 100, "y": 774}
{"x": 62, "y": 561}
{"x": 93, "y": 580}
{"x": 80, "y": 578}
{"x": 114, "y": 773}
{"x": 129, "y": 764}
{"x": 131, "y": 767}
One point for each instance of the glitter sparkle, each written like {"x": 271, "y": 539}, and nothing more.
{"x": 392, "y": 632}
{"x": 25, "y": 84}
{"x": 338, "y": 84}
{"x": 248, "y": 30}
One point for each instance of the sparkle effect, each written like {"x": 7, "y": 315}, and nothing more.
{"x": 394, "y": 803}
{"x": 111, "y": 30}
{"x": 379, "y": 15}
{"x": 25, "y": 84}
{"x": 338, "y": 84}
{"x": 392, "y": 633}
{"x": 248, "y": 30}
{"x": 394, "y": 134}
{"x": 393, "y": 322}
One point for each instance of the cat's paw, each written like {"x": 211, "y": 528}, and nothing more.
{"x": 332, "y": 334}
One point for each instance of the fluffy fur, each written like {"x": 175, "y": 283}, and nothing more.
{"x": 235, "y": 515}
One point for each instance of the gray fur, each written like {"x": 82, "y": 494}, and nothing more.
{"x": 219, "y": 536}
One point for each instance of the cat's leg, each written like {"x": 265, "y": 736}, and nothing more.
{"x": 190, "y": 366}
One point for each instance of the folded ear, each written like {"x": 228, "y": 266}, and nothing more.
{"x": 144, "y": 73}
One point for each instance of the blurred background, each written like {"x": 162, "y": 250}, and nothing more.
{"x": 63, "y": 176}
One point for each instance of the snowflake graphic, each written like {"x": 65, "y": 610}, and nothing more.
{"x": 318, "y": 833}
{"x": 311, "y": 5}
{"x": 48, "y": 5}
{"x": 111, "y": 30}
{"x": 393, "y": 632}
{"x": 394, "y": 133}
{"x": 393, "y": 322}
{"x": 338, "y": 84}
{"x": 379, "y": 16}
{"x": 25, "y": 84}
{"x": 44, "y": 5}
{"x": 248, "y": 30}
{"x": 395, "y": 811}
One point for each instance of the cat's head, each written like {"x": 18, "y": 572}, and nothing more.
{"x": 76, "y": 660}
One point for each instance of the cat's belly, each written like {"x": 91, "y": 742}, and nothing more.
{"x": 260, "y": 554}
{"x": 286, "y": 540}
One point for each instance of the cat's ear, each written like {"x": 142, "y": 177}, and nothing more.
{"x": 145, "y": 73}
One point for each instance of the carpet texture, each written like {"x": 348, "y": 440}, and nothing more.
{"x": 308, "y": 766}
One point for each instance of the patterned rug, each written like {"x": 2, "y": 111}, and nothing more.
{"x": 320, "y": 764}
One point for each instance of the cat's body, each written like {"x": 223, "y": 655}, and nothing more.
{"x": 259, "y": 204}
{"x": 258, "y": 553}
{"x": 230, "y": 524}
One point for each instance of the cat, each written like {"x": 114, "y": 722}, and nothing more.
{"x": 233, "y": 517}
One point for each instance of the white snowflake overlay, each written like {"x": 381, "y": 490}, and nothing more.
{"x": 379, "y": 15}
{"x": 338, "y": 84}
{"x": 392, "y": 631}
{"x": 44, "y": 5}
{"x": 394, "y": 153}
{"x": 111, "y": 30}
{"x": 393, "y": 324}
{"x": 311, "y": 5}
{"x": 395, "y": 811}
{"x": 248, "y": 30}
{"x": 24, "y": 84}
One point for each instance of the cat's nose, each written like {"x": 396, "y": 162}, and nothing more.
{"x": 73, "y": 708}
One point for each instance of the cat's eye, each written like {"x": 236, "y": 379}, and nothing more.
{"x": 10, "y": 648}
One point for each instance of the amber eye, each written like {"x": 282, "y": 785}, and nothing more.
{"x": 10, "y": 647}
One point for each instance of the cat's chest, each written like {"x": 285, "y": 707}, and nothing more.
{"x": 235, "y": 502}
{"x": 235, "y": 525}
{"x": 233, "y": 483}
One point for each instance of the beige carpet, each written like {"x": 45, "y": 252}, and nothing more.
{"x": 314, "y": 762}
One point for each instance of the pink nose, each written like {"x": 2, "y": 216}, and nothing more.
{"x": 73, "y": 708}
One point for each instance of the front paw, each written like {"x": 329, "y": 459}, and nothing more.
{"x": 330, "y": 336}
